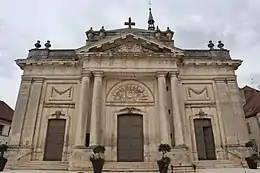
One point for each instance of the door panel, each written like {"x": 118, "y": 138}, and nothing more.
{"x": 54, "y": 140}
{"x": 130, "y": 138}
{"x": 204, "y": 139}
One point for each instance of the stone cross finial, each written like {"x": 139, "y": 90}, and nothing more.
{"x": 57, "y": 114}
{"x": 130, "y": 23}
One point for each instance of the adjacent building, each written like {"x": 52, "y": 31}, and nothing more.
{"x": 6, "y": 116}
{"x": 252, "y": 112}
{"x": 130, "y": 90}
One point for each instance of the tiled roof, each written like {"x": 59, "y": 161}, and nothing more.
{"x": 252, "y": 105}
{"x": 6, "y": 113}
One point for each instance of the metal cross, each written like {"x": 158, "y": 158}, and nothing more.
{"x": 150, "y": 3}
{"x": 58, "y": 114}
{"x": 130, "y": 23}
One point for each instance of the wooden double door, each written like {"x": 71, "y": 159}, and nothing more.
{"x": 204, "y": 139}
{"x": 54, "y": 140}
{"x": 130, "y": 138}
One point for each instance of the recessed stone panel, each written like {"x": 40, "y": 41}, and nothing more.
{"x": 199, "y": 93}
{"x": 62, "y": 93}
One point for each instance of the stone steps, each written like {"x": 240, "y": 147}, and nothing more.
{"x": 216, "y": 164}
{"x": 130, "y": 167}
{"x": 42, "y": 165}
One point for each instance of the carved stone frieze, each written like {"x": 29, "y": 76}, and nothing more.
{"x": 130, "y": 92}
{"x": 130, "y": 47}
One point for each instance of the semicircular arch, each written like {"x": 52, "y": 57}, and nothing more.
{"x": 130, "y": 91}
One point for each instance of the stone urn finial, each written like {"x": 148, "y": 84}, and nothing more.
{"x": 102, "y": 32}
{"x": 157, "y": 32}
{"x": 47, "y": 44}
{"x": 169, "y": 33}
{"x": 220, "y": 45}
{"x": 38, "y": 44}
{"x": 90, "y": 33}
{"x": 211, "y": 45}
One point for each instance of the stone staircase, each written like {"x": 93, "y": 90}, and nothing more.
{"x": 130, "y": 167}
{"x": 41, "y": 165}
{"x": 216, "y": 164}
{"x": 126, "y": 166}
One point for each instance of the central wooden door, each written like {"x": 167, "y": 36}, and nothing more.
{"x": 204, "y": 139}
{"x": 54, "y": 140}
{"x": 130, "y": 138}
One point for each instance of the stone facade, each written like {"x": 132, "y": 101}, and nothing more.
{"x": 127, "y": 71}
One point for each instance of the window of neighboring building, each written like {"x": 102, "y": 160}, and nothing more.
{"x": 1, "y": 129}
{"x": 248, "y": 128}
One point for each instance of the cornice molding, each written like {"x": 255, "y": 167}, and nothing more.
{"x": 22, "y": 63}
{"x": 234, "y": 64}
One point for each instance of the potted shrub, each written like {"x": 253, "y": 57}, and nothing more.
{"x": 164, "y": 162}
{"x": 254, "y": 158}
{"x": 97, "y": 158}
{"x": 3, "y": 160}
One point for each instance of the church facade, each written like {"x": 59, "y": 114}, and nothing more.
{"x": 130, "y": 90}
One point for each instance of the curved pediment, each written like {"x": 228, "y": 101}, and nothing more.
{"x": 130, "y": 92}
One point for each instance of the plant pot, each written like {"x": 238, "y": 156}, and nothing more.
{"x": 252, "y": 163}
{"x": 3, "y": 161}
{"x": 163, "y": 166}
{"x": 98, "y": 165}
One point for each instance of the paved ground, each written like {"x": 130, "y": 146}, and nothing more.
{"x": 222, "y": 170}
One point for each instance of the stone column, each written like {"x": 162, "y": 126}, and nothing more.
{"x": 96, "y": 109}
{"x": 177, "y": 123}
{"x": 83, "y": 107}
{"x": 164, "y": 121}
{"x": 20, "y": 111}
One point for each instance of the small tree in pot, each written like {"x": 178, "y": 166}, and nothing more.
{"x": 254, "y": 158}
{"x": 97, "y": 158}
{"x": 3, "y": 160}
{"x": 164, "y": 162}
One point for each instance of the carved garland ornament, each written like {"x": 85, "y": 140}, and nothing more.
{"x": 198, "y": 92}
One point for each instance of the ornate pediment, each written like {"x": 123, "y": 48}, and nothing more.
{"x": 129, "y": 43}
{"x": 129, "y": 48}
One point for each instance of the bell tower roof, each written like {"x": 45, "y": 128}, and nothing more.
{"x": 150, "y": 20}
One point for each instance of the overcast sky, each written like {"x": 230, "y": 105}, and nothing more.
{"x": 64, "y": 22}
